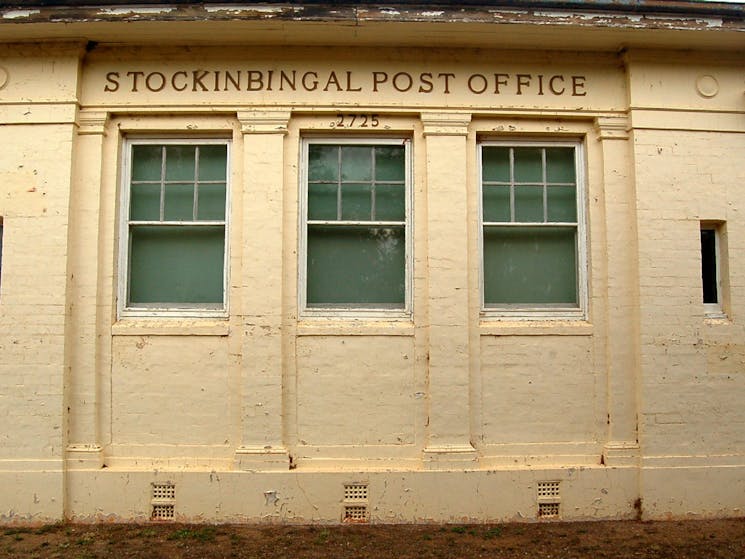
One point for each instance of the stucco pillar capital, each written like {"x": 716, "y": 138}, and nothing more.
{"x": 614, "y": 127}
{"x": 445, "y": 124}
{"x": 92, "y": 122}
{"x": 269, "y": 121}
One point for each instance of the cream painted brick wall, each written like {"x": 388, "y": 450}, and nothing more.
{"x": 692, "y": 403}
{"x": 34, "y": 194}
{"x": 539, "y": 389}
{"x": 168, "y": 400}
{"x": 356, "y": 391}
{"x": 170, "y": 390}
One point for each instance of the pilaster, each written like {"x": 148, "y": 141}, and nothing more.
{"x": 262, "y": 446}
{"x": 622, "y": 335}
{"x": 448, "y": 432}
{"x": 84, "y": 448}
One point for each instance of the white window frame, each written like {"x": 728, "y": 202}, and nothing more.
{"x": 715, "y": 310}
{"x": 186, "y": 310}
{"x": 355, "y": 312}
{"x": 541, "y": 312}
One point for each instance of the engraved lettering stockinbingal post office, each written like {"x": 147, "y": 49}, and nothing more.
{"x": 347, "y": 81}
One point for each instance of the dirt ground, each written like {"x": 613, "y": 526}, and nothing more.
{"x": 710, "y": 539}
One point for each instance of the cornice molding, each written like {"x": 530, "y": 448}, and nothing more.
{"x": 273, "y": 121}
{"x": 445, "y": 124}
{"x": 612, "y": 127}
{"x": 92, "y": 122}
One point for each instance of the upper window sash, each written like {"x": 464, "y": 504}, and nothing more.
{"x": 524, "y": 187}
{"x": 163, "y": 201}
{"x": 358, "y": 205}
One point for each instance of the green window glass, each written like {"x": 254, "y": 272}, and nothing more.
{"x": 176, "y": 226}
{"x": 531, "y": 229}
{"x": 356, "y": 225}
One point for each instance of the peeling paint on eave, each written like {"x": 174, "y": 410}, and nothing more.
{"x": 711, "y": 22}
{"x": 633, "y": 21}
{"x": 252, "y": 12}
{"x": 577, "y": 19}
{"x": 136, "y": 11}
{"x": 244, "y": 9}
{"x": 16, "y": 14}
{"x": 361, "y": 15}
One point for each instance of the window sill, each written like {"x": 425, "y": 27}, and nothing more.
{"x": 351, "y": 314}
{"x": 717, "y": 320}
{"x": 170, "y": 327}
{"x": 336, "y": 327}
{"x": 713, "y": 311}
{"x": 536, "y": 328}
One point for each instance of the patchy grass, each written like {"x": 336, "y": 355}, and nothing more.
{"x": 206, "y": 534}
{"x": 714, "y": 539}
{"x": 493, "y": 532}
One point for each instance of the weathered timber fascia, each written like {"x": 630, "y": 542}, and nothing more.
{"x": 361, "y": 14}
{"x": 679, "y": 7}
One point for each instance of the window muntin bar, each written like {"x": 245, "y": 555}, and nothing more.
{"x": 176, "y": 195}
{"x": 355, "y": 235}
{"x": 532, "y": 229}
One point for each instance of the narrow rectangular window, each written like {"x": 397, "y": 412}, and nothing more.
{"x": 174, "y": 245}
{"x": 709, "y": 267}
{"x": 533, "y": 260}
{"x": 712, "y": 276}
{"x": 355, "y": 226}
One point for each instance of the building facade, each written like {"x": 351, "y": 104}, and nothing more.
{"x": 328, "y": 262}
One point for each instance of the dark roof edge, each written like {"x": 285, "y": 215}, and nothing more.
{"x": 678, "y": 7}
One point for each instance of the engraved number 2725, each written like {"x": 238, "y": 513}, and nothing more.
{"x": 356, "y": 120}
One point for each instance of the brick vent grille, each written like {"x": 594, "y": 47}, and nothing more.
{"x": 548, "y": 510}
{"x": 163, "y": 501}
{"x": 163, "y": 512}
{"x": 355, "y": 513}
{"x": 164, "y": 491}
{"x": 355, "y": 492}
{"x": 355, "y": 507}
{"x": 548, "y": 489}
{"x": 549, "y": 499}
